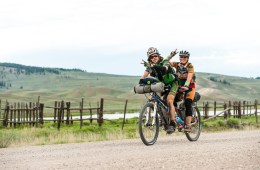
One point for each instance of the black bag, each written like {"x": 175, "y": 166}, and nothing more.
{"x": 196, "y": 97}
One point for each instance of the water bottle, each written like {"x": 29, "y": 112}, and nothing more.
{"x": 179, "y": 120}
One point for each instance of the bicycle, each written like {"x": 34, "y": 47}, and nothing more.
{"x": 156, "y": 109}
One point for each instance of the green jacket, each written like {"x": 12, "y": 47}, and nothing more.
{"x": 169, "y": 76}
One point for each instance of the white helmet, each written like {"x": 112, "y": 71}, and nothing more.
{"x": 151, "y": 51}
{"x": 184, "y": 53}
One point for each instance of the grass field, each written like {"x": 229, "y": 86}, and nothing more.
{"x": 110, "y": 130}
{"x": 74, "y": 85}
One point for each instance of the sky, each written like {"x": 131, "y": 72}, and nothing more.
{"x": 113, "y": 36}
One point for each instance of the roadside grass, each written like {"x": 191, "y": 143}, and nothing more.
{"x": 48, "y": 133}
{"x": 110, "y": 130}
{"x": 220, "y": 124}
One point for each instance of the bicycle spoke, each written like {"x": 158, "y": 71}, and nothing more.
{"x": 194, "y": 134}
{"x": 148, "y": 124}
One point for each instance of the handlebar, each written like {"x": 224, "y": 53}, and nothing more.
{"x": 183, "y": 89}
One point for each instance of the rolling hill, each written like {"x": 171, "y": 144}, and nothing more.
{"x": 25, "y": 83}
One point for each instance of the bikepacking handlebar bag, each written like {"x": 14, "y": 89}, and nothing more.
{"x": 168, "y": 78}
{"x": 148, "y": 88}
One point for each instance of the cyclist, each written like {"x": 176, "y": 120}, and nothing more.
{"x": 161, "y": 68}
{"x": 185, "y": 72}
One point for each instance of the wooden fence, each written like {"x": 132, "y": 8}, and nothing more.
{"x": 32, "y": 114}
{"x": 23, "y": 113}
{"x": 237, "y": 109}
{"x": 63, "y": 113}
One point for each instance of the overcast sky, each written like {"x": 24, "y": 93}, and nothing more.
{"x": 112, "y": 36}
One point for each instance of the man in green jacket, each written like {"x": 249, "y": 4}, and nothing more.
{"x": 161, "y": 68}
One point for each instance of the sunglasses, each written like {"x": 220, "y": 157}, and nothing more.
{"x": 152, "y": 56}
{"x": 183, "y": 57}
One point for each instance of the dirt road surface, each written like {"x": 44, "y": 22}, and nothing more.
{"x": 225, "y": 150}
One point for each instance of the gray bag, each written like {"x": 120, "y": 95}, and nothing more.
{"x": 155, "y": 87}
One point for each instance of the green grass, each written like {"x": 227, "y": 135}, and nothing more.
{"x": 220, "y": 124}
{"x": 110, "y": 130}
{"x": 48, "y": 133}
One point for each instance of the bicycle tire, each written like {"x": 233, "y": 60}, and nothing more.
{"x": 148, "y": 125}
{"x": 196, "y": 127}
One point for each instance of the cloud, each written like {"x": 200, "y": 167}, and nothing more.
{"x": 216, "y": 31}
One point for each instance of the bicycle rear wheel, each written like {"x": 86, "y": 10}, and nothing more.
{"x": 194, "y": 134}
{"x": 148, "y": 124}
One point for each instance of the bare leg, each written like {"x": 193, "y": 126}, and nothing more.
{"x": 188, "y": 120}
{"x": 170, "y": 99}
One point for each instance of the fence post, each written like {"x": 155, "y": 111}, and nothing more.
{"x": 229, "y": 111}
{"x": 247, "y": 108}
{"x": 234, "y": 107}
{"x": 7, "y": 110}
{"x": 100, "y": 112}
{"x": 225, "y": 113}
{"x": 37, "y": 110}
{"x": 19, "y": 114}
{"x": 256, "y": 103}
{"x": 124, "y": 114}
{"x": 55, "y": 110}
{"x": 90, "y": 112}
{"x": 22, "y": 113}
{"x": 17, "y": 109}
{"x": 250, "y": 108}
{"x": 41, "y": 113}
{"x": 215, "y": 108}
{"x": 239, "y": 109}
{"x": 30, "y": 113}
{"x": 244, "y": 108}
{"x": 207, "y": 110}
{"x": 38, "y": 101}
{"x": 68, "y": 113}
{"x": 81, "y": 112}
{"x": 60, "y": 113}
{"x": 27, "y": 113}
{"x": 13, "y": 115}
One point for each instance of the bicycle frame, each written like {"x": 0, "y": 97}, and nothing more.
{"x": 158, "y": 104}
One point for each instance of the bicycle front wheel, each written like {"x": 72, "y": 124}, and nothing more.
{"x": 148, "y": 124}
{"x": 194, "y": 134}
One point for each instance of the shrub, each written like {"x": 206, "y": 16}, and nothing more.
{"x": 221, "y": 123}
{"x": 233, "y": 123}
{"x": 6, "y": 139}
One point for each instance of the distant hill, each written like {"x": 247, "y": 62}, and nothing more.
{"x": 26, "y": 83}
{"x": 22, "y": 69}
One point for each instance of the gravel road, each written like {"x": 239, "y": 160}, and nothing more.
{"x": 226, "y": 150}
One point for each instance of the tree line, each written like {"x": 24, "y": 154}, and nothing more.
{"x": 33, "y": 69}
{"x": 221, "y": 81}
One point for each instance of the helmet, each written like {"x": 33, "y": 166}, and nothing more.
{"x": 151, "y": 51}
{"x": 184, "y": 53}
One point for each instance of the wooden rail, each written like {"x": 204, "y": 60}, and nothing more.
{"x": 235, "y": 109}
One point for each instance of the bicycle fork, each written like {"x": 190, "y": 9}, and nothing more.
{"x": 152, "y": 115}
